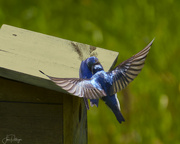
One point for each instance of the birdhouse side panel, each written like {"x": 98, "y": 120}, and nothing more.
{"x": 30, "y": 114}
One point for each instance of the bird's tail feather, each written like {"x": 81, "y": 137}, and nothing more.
{"x": 94, "y": 102}
{"x": 119, "y": 116}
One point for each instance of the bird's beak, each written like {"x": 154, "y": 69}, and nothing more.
{"x": 97, "y": 63}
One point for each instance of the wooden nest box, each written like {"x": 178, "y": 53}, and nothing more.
{"x": 33, "y": 109}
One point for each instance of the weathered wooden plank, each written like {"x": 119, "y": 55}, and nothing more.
{"x": 31, "y": 113}
{"x": 75, "y": 120}
{"x": 23, "y": 53}
{"x": 32, "y": 123}
{"x": 14, "y": 91}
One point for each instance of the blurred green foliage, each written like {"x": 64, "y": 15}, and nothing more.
{"x": 150, "y": 104}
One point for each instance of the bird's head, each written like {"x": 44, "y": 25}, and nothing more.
{"x": 93, "y": 64}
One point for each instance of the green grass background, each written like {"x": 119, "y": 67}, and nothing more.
{"x": 151, "y": 103}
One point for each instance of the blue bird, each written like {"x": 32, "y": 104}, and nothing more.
{"x": 103, "y": 84}
{"x": 112, "y": 100}
{"x": 85, "y": 73}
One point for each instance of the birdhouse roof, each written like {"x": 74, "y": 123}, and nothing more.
{"x": 23, "y": 53}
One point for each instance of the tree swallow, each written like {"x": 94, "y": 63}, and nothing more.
{"x": 110, "y": 100}
{"x": 103, "y": 84}
{"x": 85, "y": 73}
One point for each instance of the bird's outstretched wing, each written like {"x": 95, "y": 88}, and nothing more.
{"x": 78, "y": 87}
{"x": 126, "y": 71}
